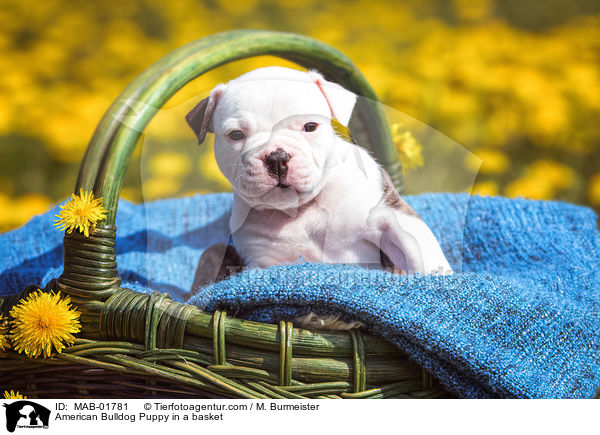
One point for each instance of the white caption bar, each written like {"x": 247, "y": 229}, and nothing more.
{"x": 88, "y": 417}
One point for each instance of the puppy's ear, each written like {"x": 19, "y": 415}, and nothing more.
{"x": 200, "y": 118}
{"x": 341, "y": 101}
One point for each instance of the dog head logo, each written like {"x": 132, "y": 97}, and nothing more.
{"x": 26, "y": 414}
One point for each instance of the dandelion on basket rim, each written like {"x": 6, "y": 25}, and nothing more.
{"x": 43, "y": 321}
{"x": 13, "y": 395}
{"x": 81, "y": 212}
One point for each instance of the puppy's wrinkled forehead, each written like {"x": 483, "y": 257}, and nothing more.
{"x": 267, "y": 96}
{"x": 270, "y": 100}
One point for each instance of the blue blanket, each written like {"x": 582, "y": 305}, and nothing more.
{"x": 521, "y": 318}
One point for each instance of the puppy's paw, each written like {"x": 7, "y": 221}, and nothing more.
{"x": 325, "y": 323}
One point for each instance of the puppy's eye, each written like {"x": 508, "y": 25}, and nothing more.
{"x": 236, "y": 135}
{"x": 310, "y": 126}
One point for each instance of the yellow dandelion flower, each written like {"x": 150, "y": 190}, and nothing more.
{"x": 160, "y": 187}
{"x": 43, "y": 321}
{"x": 82, "y": 212}
{"x": 4, "y": 343}
{"x": 594, "y": 189}
{"x": 341, "y": 130}
{"x": 170, "y": 165}
{"x": 408, "y": 147}
{"x": 488, "y": 161}
{"x": 13, "y": 395}
{"x": 543, "y": 179}
{"x": 485, "y": 188}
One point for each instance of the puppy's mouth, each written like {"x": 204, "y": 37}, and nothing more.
{"x": 282, "y": 185}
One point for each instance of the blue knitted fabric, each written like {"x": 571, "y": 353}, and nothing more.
{"x": 521, "y": 318}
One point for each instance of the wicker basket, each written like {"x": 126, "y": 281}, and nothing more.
{"x": 135, "y": 345}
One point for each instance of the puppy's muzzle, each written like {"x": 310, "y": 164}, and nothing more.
{"x": 277, "y": 166}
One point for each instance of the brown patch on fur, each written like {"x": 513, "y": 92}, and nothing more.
{"x": 392, "y": 197}
{"x": 217, "y": 262}
{"x": 325, "y": 323}
{"x": 387, "y": 264}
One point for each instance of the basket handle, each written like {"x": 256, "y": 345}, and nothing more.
{"x": 110, "y": 148}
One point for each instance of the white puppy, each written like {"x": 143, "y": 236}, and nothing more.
{"x": 301, "y": 192}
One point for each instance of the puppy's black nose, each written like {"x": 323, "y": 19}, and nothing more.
{"x": 277, "y": 164}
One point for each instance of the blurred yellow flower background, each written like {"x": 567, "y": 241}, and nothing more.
{"x": 517, "y": 83}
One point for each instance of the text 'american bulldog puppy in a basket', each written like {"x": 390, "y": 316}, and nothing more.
{"x": 300, "y": 191}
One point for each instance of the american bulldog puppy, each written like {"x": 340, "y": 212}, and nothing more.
{"x": 301, "y": 192}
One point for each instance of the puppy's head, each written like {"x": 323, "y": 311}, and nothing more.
{"x": 273, "y": 136}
